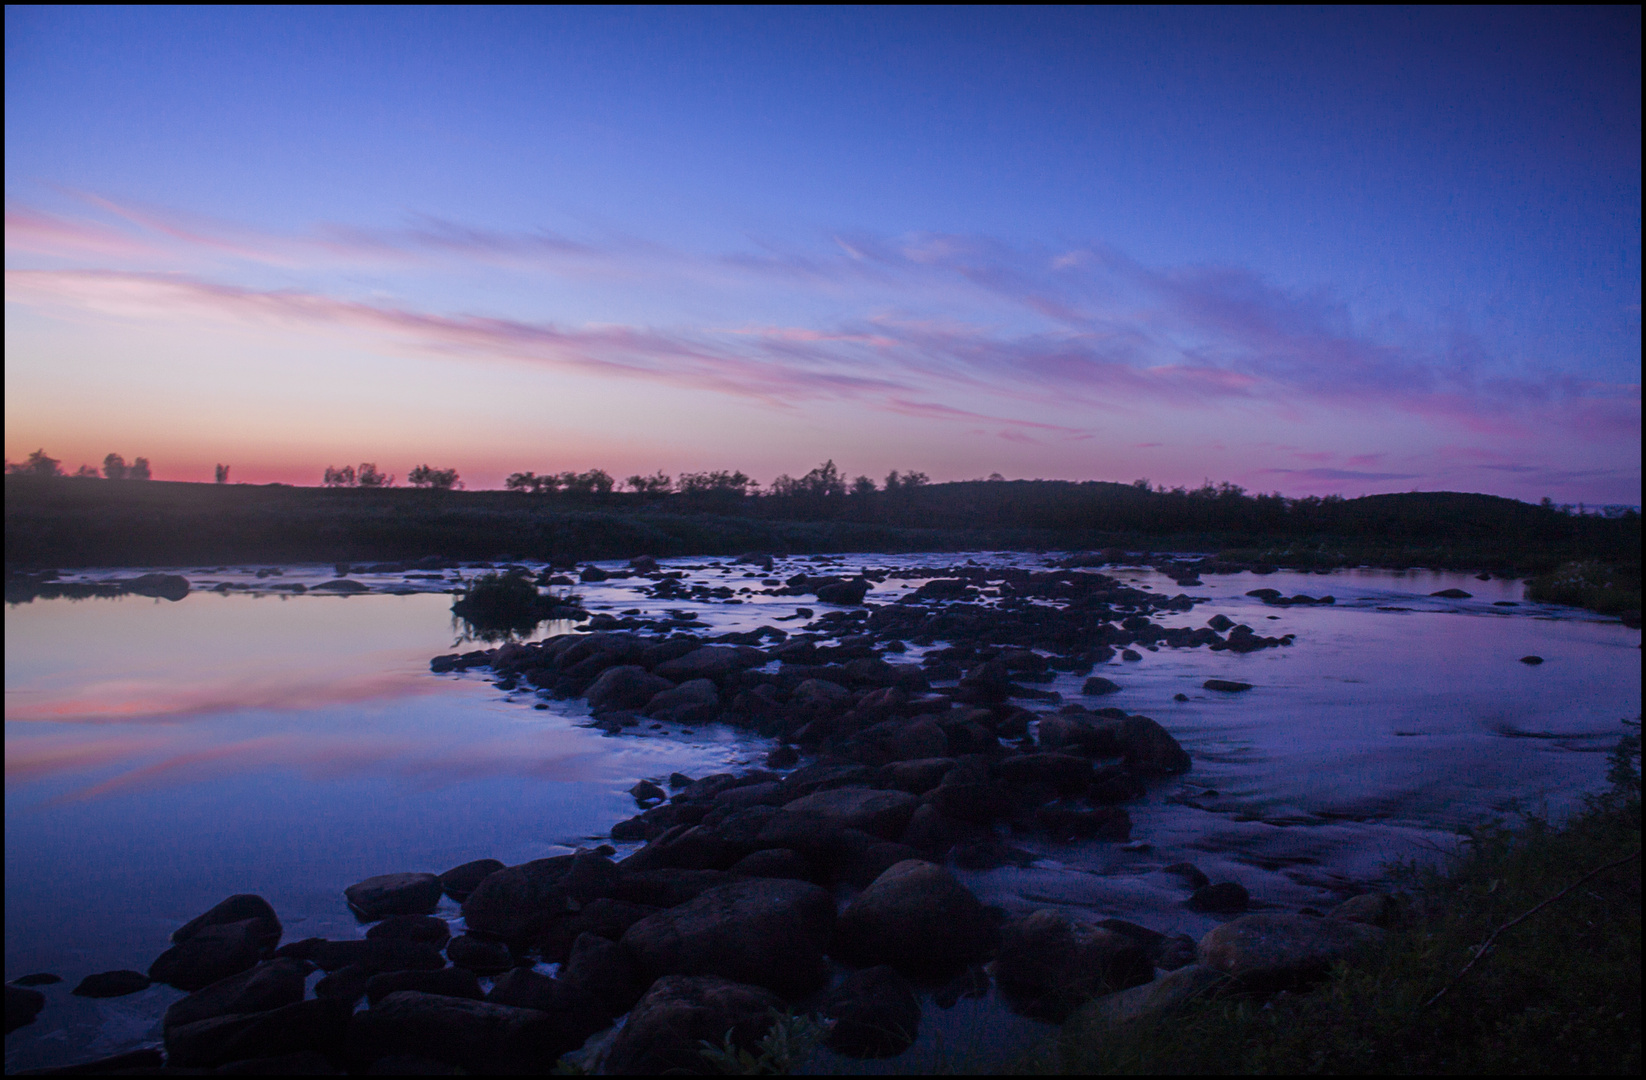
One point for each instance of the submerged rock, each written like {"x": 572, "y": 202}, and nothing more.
{"x": 267, "y": 986}
{"x": 917, "y": 917}
{"x": 111, "y": 984}
{"x": 394, "y": 894}
{"x": 1049, "y": 963}
{"x": 665, "y": 1031}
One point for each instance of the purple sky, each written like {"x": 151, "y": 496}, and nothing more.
{"x": 1314, "y": 251}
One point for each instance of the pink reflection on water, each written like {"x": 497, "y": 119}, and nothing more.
{"x": 149, "y": 701}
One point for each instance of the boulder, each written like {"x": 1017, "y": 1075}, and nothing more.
{"x": 451, "y": 982}
{"x": 346, "y": 984}
{"x": 518, "y": 902}
{"x": 424, "y": 928}
{"x": 606, "y": 971}
{"x": 479, "y": 955}
{"x": 1532, "y": 661}
{"x": 377, "y": 954}
{"x": 665, "y": 1030}
{"x": 393, "y": 894}
{"x": 849, "y": 593}
{"x": 1049, "y": 963}
{"x": 1373, "y": 909}
{"x": 606, "y": 917}
{"x": 165, "y": 586}
{"x": 761, "y": 931}
{"x": 880, "y": 813}
{"x": 573, "y": 1007}
{"x": 1225, "y": 896}
{"x": 211, "y": 953}
{"x": 1155, "y": 999}
{"x": 22, "y": 1006}
{"x": 460, "y": 881}
{"x": 1149, "y": 749}
{"x": 711, "y": 662}
{"x": 1264, "y": 951}
{"x": 627, "y": 686}
{"x": 774, "y": 863}
{"x": 917, "y": 917}
{"x": 1097, "y": 685}
{"x": 821, "y": 691}
{"x": 1070, "y": 775}
{"x": 693, "y": 702}
{"x": 1227, "y": 686}
{"x": 267, "y": 986}
{"x": 478, "y": 1036}
{"x": 875, "y": 1014}
{"x": 1453, "y": 594}
{"x": 237, "y": 908}
{"x": 916, "y": 777}
{"x": 317, "y": 1024}
{"x": 111, "y": 984}
{"x": 1084, "y": 823}
{"x": 1188, "y": 873}
{"x": 668, "y": 887}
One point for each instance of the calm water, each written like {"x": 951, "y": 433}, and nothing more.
{"x": 160, "y": 756}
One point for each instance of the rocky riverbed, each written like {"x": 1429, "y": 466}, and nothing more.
{"x": 942, "y": 768}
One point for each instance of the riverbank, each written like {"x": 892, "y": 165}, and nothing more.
{"x": 1520, "y": 955}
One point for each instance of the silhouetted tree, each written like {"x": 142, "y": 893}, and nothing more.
{"x": 37, "y": 464}
{"x": 719, "y": 482}
{"x": 114, "y": 467}
{"x": 525, "y": 481}
{"x": 138, "y": 469}
{"x": 587, "y": 483}
{"x": 336, "y": 477}
{"x": 222, "y": 474}
{"x": 86, "y": 472}
{"x": 368, "y": 476}
{"x": 438, "y": 479}
{"x": 659, "y": 483}
{"x": 863, "y": 486}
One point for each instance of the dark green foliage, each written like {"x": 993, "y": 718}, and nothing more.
{"x": 1556, "y": 993}
{"x": 1597, "y": 586}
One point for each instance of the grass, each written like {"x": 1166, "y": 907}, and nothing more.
{"x": 1598, "y": 586}
{"x": 1557, "y": 991}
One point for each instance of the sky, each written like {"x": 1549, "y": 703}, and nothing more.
{"x": 1310, "y": 251}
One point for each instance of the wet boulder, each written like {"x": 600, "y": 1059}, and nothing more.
{"x": 667, "y": 887}
{"x": 165, "y": 586}
{"x": 1223, "y": 897}
{"x": 762, "y": 931}
{"x": 318, "y": 1024}
{"x": 1155, "y": 999}
{"x": 1097, "y": 685}
{"x": 917, "y": 917}
{"x": 605, "y": 917}
{"x": 1273, "y": 951}
{"x": 1050, "y": 963}
{"x": 518, "y": 901}
{"x": 626, "y": 686}
{"x": 451, "y": 981}
{"x": 713, "y": 662}
{"x": 1227, "y": 686}
{"x": 981, "y": 803}
{"x": 606, "y": 971}
{"x": 774, "y": 863}
{"x": 112, "y": 984}
{"x": 393, "y": 894}
{"x": 693, "y": 702}
{"x": 479, "y": 955}
{"x": 875, "y": 1014}
{"x": 1149, "y": 749}
{"x": 478, "y": 1036}
{"x": 376, "y": 954}
{"x": 880, "y": 813}
{"x": 665, "y": 1031}
{"x": 211, "y": 953}
{"x": 1066, "y": 822}
{"x": 267, "y": 986}
{"x": 235, "y": 909}
{"x": 1453, "y": 594}
{"x": 424, "y": 928}
{"x": 849, "y": 593}
{"x": 917, "y": 776}
{"x": 1373, "y": 909}
{"x": 1069, "y": 774}
{"x": 22, "y": 1006}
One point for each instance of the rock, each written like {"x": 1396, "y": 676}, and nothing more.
{"x": 711, "y": 662}
{"x": 1097, "y": 685}
{"x": 346, "y": 984}
{"x": 1225, "y": 896}
{"x": 821, "y": 691}
{"x": 774, "y": 863}
{"x": 605, "y": 970}
{"x": 318, "y": 1024}
{"x": 1083, "y": 823}
{"x": 1222, "y": 622}
{"x": 1070, "y": 775}
{"x": 1228, "y": 686}
{"x": 22, "y": 1006}
{"x": 460, "y": 881}
{"x": 647, "y": 794}
{"x": 518, "y": 902}
{"x": 627, "y": 686}
{"x": 1130, "y": 655}
{"x": 1190, "y": 874}
{"x": 1155, "y": 999}
{"x": 341, "y": 585}
{"x": 1264, "y": 951}
{"x": 1373, "y": 909}
{"x": 377, "y": 954}
{"x": 916, "y": 777}
{"x": 166, "y": 586}
{"x": 149, "y": 1059}
{"x": 1453, "y": 594}
{"x": 211, "y": 953}
{"x": 39, "y": 978}
{"x": 1532, "y": 660}
{"x": 478, "y": 1036}
{"x": 480, "y": 955}
{"x": 606, "y": 917}
{"x": 111, "y": 984}
{"x": 762, "y": 931}
{"x": 267, "y": 986}
{"x": 1049, "y": 963}
{"x": 1180, "y": 697}
{"x": 300, "y": 1063}
{"x": 424, "y": 928}
{"x": 451, "y": 982}
{"x": 979, "y": 803}
{"x": 782, "y": 757}
{"x": 393, "y": 894}
{"x": 237, "y": 908}
{"x": 875, "y": 1014}
{"x": 880, "y": 813}
{"x": 572, "y": 1006}
{"x": 695, "y": 701}
{"x": 849, "y": 593}
{"x": 917, "y": 917}
{"x": 668, "y": 887}
{"x": 664, "y": 1032}
{"x": 1149, "y": 749}
{"x": 1175, "y": 951}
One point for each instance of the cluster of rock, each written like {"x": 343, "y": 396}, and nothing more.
{"x": 23, "y": 587}
{"x": 688, "y": 955}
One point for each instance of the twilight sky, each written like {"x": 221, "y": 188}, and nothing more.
{"x": 1310, "y": 251}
